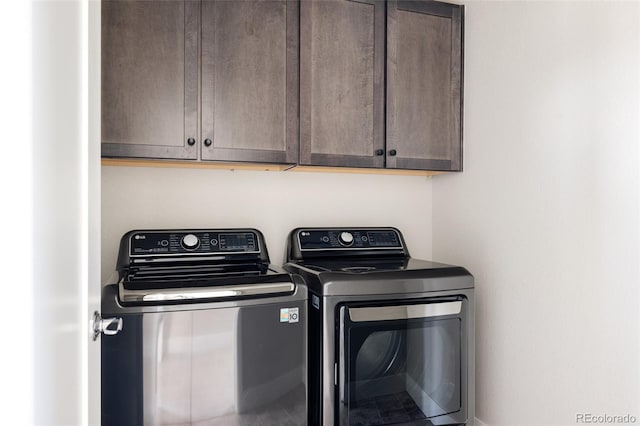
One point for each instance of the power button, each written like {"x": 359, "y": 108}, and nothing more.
{"x": 345, "y": 238}
{"x": 190, "y": 242}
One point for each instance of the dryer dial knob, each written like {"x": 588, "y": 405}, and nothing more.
{"x": 190, "y": 241}
{"x": 345, "y": 238}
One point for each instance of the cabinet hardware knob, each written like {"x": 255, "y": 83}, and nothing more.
{"x": 207, "y": 142}
{"x": 379, "y": 151}
{"x": 392, "y": 152}
{"x": 191, "y": 141}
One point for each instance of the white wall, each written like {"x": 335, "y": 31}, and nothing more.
{"x": 16, "y": 189}
{"x": 273, "y": 202}
{"x": 546, "y": 214}
{"x": 60, "y": 219}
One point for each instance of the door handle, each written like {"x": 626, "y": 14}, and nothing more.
{"x": 106, "y": 326}
{"x": 404, "y": 312}
{"x": 186, "y": 294}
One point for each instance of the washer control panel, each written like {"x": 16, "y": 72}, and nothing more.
{"x": 158, "y": 243}
{"x": 341, "y": 239}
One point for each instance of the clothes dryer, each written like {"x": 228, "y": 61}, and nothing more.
{"x": 391, "y": 338}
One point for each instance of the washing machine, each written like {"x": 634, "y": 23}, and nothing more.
{"x": 391, "y": 338}
{"x": 201, "y": 329}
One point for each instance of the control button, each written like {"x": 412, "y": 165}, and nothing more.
{"x": 190, "y": 242}
{"x": 364, "y": 238}
{"x": 346, "y": 238}
{"x": 214, "y": 242}
{"x": 164, "y": 243}
{"x": 325, "y": 239}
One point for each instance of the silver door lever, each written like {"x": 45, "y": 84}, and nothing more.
{"x": 106, "y": 326}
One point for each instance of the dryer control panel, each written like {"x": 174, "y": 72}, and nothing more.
{"x": 348, "y": 239}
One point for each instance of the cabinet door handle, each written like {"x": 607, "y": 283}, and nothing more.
{"x": 207, "y": 142}
{"x": 379, "y": 151}
{"x": 392, "y": 152}
{"x": 191, "y": 141}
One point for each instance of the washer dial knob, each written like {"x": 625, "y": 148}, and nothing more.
{"x": 345, "y": 238}
{"x": 190, "y": 242}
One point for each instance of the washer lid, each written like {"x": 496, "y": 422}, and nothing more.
{"x": 197, "y": 265}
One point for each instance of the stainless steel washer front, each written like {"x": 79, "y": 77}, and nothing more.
{"x": 226, "y": 363}
{"x": 202, "y": 330}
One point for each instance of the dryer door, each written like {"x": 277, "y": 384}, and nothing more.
{"x": 402, "y": 363}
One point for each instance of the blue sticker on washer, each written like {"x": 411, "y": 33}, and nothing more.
{"x": 284, "y": 315}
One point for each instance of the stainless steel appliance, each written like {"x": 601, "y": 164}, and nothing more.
{"x": 391, "y": 338}
{"x": 201, "y": 329}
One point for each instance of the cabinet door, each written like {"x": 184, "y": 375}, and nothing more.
{"x": 424, "y": 85}
{"x": 342, "y": 83}
{"x": 250, "y": 81}
{"x": 150, "y": 79}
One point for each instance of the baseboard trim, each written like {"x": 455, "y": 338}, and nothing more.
{"x": 479, "y": 422}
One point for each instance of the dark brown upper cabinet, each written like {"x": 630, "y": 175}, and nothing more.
{"x": 215, "y": 78}
{"x": 342, "y": 84}
{"x": 250, "y": 81}
{"x": 424, "y": 85}
{"x": 349, "y": 83}
{"x": 150, "y": 79}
